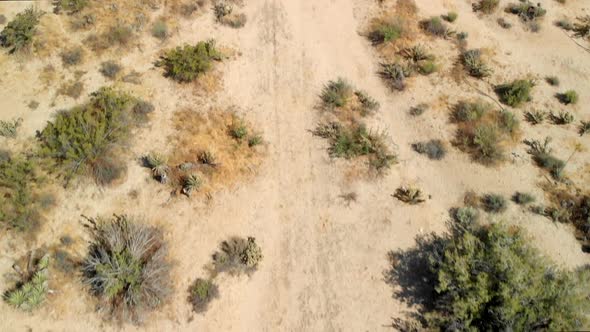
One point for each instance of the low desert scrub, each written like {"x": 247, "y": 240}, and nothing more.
{"x": 474, "y": 64}
{"x": 160, "y": 30}
{"x": 117, "y": 35}
{"x": 388, "y": 30}
{"x": 515, "y": 93}
{"x": 72, "y": 89}
{"x": 450, "y": 17}
{"x": 409, "y": 195}
{"x": 435, "y": 26}
{"x": 414, "y": 59}
{"x": 127, "y": 267}
{"x": 504, "y": 23}
{"x": 33, "y": 286}
{"x": 158, "y": 165}
{"x": 347, "y": 102}
{"x": 211, "y": 150}
{"x": 18, "y": 34}
{"x": 20, "y": 192}
{"x": 420, "y": 60}
{"x": 568, "y": 97}
{"x": 110, "y": 69}
{"x": 354, "y": 140}
{"x": 562, "y": 118}
{"x": 395, "y": 74}
{"x": 484, "y": 132}
{"x": 225, "y": 14}
{"x": 69, "y": 6}
{"x": 72, "y": 57}
{"x": 434, "y": 149}
{"x": 535, "y": 117}
{"x": 486, "y": 6}
{"x": 494, "y": 203}
{"x": 9, "y": 129}
{"x": 237, "y": 256}
{"x": 185, "y": 64}
{"x": 542, "y": 155}
{"x": 522, "y": 198}
{"x": 418, "y": 109}
{"x": 465, "y": 217}
{"x": 488, "y": 278}
{"x": 201, "y": 293}
{"x": 584, "y": 128}
{"x": 526, "y": 10}
{"x": 85, "y": 139}
{"x": 552, "y": 80}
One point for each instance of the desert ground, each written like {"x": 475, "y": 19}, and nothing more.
{"x": 325, "y": 257}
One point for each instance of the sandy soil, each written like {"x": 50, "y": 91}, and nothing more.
{"x": 325, "y": 260}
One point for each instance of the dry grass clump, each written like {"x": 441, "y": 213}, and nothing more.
{"x": 127, "y": 267}
{"x": 210, "y": 150}
{"x": 484, "y": 132}
{"x": 117, "y": 35}
{"x": 110, "y": 69}
{"x": 582, "y": 27}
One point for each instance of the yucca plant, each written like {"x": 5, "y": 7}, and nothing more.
{"x": 158, "y": 164}
{"x": 208, "y": 158}
{"x": 33, "y": 289}
{"x": 417, "y": 53}
{"x": 582, "y": 27}
{"x": 584, "y": 127}
{"x": 191, "y": 182}
{"x": 562, "y": 118}
{"x": 410, "y": 195}
{"x": 474, "y": 64}
{"x": 535, "y": 117}
{"x": 127, "y": 267}
{"x": 395, "y": 74}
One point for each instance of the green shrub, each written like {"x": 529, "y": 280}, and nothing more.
{"x": 470, "y": 110}
{"x": 19, "y": 181}
{"x": 523, "y": 198}
{"x": 32, "y": 289}
{"x": 427, "y": 67}
{"x": 508, "y": 122}
{"x": 9, "y": 129}
{"x": 353, "y": 141}
{"x": 450, "y": 17}
{"x": 255, "y": 140}
{"x": 238, "y": 255}
{"x": 69, "y": 6}
{"x": 542, "y": 156}
{"x": 486, "y": 6}
{"x": 84, "y": 137}
{"x": 18, "y": 34}
{"x": 201, "y": 293}
{"x": 436, "y": 27}
{"x": 336, "y": 93}
{"x": 486, "y": 144}
{"x": 388, "y": 30}
{"x": 568, "y": 97}
{"x": 127, "y": 267}
{"x": 494, "y": 203}
{"x": 491, "y": 279}
{"x": 516, "y": 93}
{"x": 72, "y": 56}
{"x": 465, "y": 217}
{"x": 434, "y": 149}
{"x": 409, "y": 195}
{"x": 474, "y": 64}
{"x": 160, "y": 30}
{"x": 185, "y": 64}
{"x": 526, "y": 10}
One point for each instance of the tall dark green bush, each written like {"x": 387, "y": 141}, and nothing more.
{"x": 185, "y": 64}
{"x": 83, "y": 138}
{"x": 18, "y": 34}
